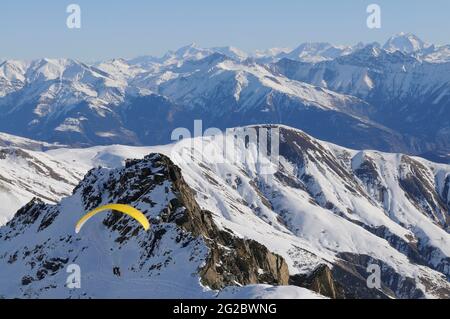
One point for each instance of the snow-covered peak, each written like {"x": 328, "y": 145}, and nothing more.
{"x": 372, "y": 56}
{"x": 325, "y": 204}
{"x": 121, "y": 68}
{"x": 232, "y": 52}
{"x": 369, "y": 51}
{"x": 193, "y": 52}
{"x": 190, "y": 50}
{"x": 63, "y": 69}
{"x": 406, "y": 43}
{"x": 64, "y": 80}
{"x": 209, "y": 82}
{"x": 52, "y": 69}
{"x": 185, "y": 53}
{"x": 12, "y": 141}
{"x": 272, "y": 52}
{"x": 12, "y": 76}
{"x": 13, "y": 70}
{"x": 440, "y": 54}
{"x": 316, "y": 52}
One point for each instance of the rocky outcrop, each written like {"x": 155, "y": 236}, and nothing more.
{"x": 321, "y": 281}
{"x": 416, "y": 182}
{"x": 182, "y": 235}
{"x": 347, "y": 279}
{"x": 351, "y": 269}
{"x": 231, "y": 260}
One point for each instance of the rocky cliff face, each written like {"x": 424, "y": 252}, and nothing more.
{"x": 327, "y": 207}
{"x": 39, "y": 242}
{"x": 231, "y": 259}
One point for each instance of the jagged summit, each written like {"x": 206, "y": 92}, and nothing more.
{"x": 317, "y": 221}
{"x": 114, "y": 249}
{"x": 406, "y": 43}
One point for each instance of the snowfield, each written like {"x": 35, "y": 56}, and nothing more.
{"x": 322, "y": 203}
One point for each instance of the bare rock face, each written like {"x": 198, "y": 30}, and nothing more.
{"x": 36, "y": 240}
{"x": 321, "y": 281}
{"x": 418, "y": 184}
{"x": 231, "y": 259}
{"x": 236, "y": 260}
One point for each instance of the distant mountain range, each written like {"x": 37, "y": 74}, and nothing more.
{"x": 393, "y": 97}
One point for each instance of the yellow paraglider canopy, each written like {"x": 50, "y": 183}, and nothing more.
{"x": 125, "y": 209}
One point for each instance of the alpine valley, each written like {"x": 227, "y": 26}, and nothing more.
{"x": 362, "y": 178}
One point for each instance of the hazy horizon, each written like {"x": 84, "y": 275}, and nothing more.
{"x": 137, "y": 27}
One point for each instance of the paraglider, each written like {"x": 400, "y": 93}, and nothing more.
{"x": 125, "y": 209}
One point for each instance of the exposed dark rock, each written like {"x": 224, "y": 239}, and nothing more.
{"x": 321, "y": 281}
{"x": 421, "y": 192}
{"x": 231, "y": 260}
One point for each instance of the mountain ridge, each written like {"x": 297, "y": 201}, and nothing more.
{"x": 327, "y": 211}
{"x": 370, "y": 94}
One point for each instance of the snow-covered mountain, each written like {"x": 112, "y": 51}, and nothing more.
{"x": 26, "y": 174}
{"x": 117, "y": 102}
{"x": 57, "y": 100}
{"x": 191, "y": 52}
{"x": 406, "y": 43}
{"x": 375, "y": 98}
{"x": 318, "y": 52}
{"x": 409, "y": 43}
{"x": 440, "y": 54}
{"x": 309, "y": 52}
{"x": 185, "y": 255}
{"x": 247, "y": 83}
{"x": 371, "y": 71}
{"x": 409, "y": 95}
{"x": 270, "y": 55}
{"x": 8, "y": 140}
{"x": 326, "y": 211}
{"x": 226, "y": 93}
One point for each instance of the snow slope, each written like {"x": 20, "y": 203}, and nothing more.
{"x": 118, "y": 259}
{"x": 322, "y": 205}
{"x": 407, "y": 93}
{"x": 27, "y": 174}
{"x": 325, "y": 199}
{"x": 406, "y": 43}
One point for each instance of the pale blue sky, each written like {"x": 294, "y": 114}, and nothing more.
{"x": 118, "y": 28}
